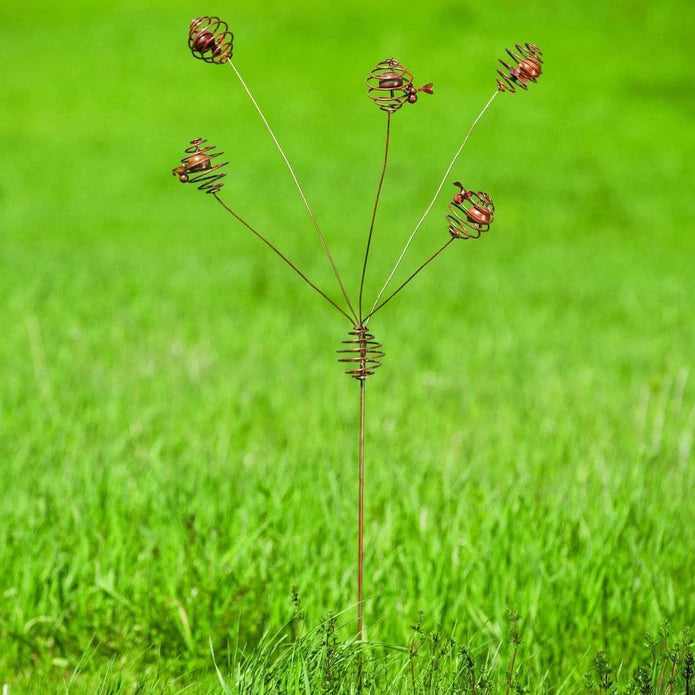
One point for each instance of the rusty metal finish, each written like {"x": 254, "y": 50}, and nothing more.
{"x": 210, "y": 40}
{"x": 527, "y": 67}
{"x": 390, "y": 85}
{"x": 470, "y": 214}
{"x": 363, "y": 353}
{"x": 199, "y": 167}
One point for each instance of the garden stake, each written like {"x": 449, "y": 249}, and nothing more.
{"x": 390, "y": 86}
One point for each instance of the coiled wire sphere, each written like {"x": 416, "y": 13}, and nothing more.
{"x": 527, "y": 67}
{"x": 470, "y": 214}
{"x": 390, "y": 85}
{"x": 198, "y": 167}
{"x": 363, "y": 353}
{"x": 210, "y": 40}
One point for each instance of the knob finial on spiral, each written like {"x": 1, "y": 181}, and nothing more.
{"x": 199, "y": 167}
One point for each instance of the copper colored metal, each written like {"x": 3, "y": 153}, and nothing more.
{"x": 413, "y": 91}
{"x": 470, "y": 214}
{"x": 527, "y": 66}
{"x": 363, "y": 353}
{"x": 390, "y": 85}
{"x": 200, "y": 168}
{"x": 210, "y": 40}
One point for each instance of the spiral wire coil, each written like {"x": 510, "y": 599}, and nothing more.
{"x": 470, "y": 214}
{"x": 199, "y": 167}
{"x": 210, "y": 40}
{"x": 527, "y": 67}
{"x": 363, "y": 353}
{"x": 389, "y": 85}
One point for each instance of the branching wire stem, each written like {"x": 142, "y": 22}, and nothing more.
{"x": 282, "y": 256}
{"x": 376, "y": 205}
{"x": 395, "y": 292}
{"x": 434, "y": 199}
{"x": 299, "y": 188}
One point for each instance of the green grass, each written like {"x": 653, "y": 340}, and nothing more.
{"x": 177, "y": 441}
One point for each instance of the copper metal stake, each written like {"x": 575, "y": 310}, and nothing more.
{"x": 360, "y": 522}
{"x": 389, "y": 86}
{"x": 362, "y": 354}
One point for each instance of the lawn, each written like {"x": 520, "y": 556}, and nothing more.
{"x": 178, "y": 444}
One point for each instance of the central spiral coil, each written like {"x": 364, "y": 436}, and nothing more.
{"x": 363, "y": 353}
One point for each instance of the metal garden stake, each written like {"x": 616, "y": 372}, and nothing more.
{"x": 390, "y": 86}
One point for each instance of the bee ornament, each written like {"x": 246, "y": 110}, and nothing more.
{"x": 470, "y": 213}
{"x": 390, "y": 85}
{"x": 199, "y": 162}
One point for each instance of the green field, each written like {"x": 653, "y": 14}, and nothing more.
{"x": 178, "y": 444}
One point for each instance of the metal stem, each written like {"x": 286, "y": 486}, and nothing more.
{"x": 282, "y": 256}
{"x": 432, "y": 202}
{"x": 376, "y": 205}
{"x": 299, "y": 188}
{"x": 393, "y": 294}
{"x": 360, "y": 522}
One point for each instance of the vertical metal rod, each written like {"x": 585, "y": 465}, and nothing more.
{"x": 360, "y": 538}
{"x": 360, "y": 522}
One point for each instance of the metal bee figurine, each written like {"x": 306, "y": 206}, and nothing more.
{"x": 390, "y": 85}
{"x": 470, "y": 214}
{"x": 200, "y": 168}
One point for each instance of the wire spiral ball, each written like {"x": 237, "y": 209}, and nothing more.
{"x": 210, "y": 40}
{"x": 470, "y": 214}
{"x": 363, "y": 353}
{"x": 527, "y": 67}
{"x": 199, "y": 167}
{"x": 388, "y": 85}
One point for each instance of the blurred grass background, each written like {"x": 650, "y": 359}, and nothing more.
{"x": 177, "y": 441}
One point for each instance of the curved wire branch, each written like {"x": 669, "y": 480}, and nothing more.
{"x": 282, "y": 256}
{"x": 394, "y": 293}
{"x": 299, "y": 188}
{"x": 376, "y": 205}
{"x": 432, "y": 202}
